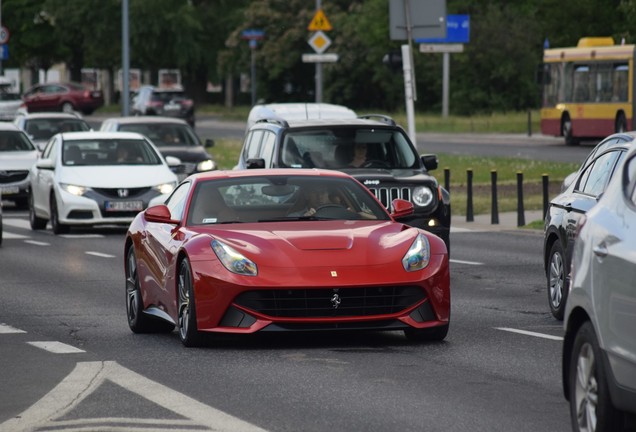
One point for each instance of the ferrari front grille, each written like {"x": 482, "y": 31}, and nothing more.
{"x": 331, "y": 302}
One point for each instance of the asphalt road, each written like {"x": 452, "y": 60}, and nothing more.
{"x": 68, "y": 359}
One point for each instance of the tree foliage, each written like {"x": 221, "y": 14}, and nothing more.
{"x": 203, "y": 39}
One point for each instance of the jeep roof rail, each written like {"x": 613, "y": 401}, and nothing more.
{"x": 273, "y": 119}
{"x": 384, "y": 118}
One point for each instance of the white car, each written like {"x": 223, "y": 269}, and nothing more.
{"x": 17, "y": 156}
{"x": 299, "y": 111}
{"x": 97, "y": 178}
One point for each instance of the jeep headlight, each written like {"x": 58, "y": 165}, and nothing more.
{"x": 418, "y": 255}
{"x": 422, "y": 196}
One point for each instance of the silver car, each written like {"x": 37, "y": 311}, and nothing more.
{"x": 599, "y": 348}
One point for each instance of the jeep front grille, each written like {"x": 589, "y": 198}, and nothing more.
{"x": 387, "y": 194}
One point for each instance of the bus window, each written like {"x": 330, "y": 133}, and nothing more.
{"x": 604, "y": 82}
{"x": 621, "y": 73}
{"x": 581, "y": 83}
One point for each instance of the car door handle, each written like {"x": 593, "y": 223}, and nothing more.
{"x": 600, "y": 250}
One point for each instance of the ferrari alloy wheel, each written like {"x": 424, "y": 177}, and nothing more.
{"x": 37, "y": 223}
{"x": 58, "y": 228}
{"x": 557, "y": 289}
{"x": 188, "y": 332}
{"x": 137, "y": 320}
{"x": 591, "y": 408}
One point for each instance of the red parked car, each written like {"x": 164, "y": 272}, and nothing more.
{"x": 282, "y": 250}
{"x": 65, "y": 97}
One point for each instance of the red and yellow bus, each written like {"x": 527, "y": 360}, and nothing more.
{"x": 588, "y": 90}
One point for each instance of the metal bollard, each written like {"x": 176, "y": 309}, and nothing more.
{"x": 494, "y": 214}
{"x": 521, "y": 219}
{"x": 447, "y": 179}
{"x": 469, "y": 196}
{"x": 529, "y": 123}
{"x": 546, "y": 201}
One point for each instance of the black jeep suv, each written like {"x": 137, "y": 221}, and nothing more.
{"x": 373, "y": 149}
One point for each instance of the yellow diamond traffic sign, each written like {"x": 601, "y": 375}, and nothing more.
{"x": 319, "y": 42}
{"x": 319, "y": 22}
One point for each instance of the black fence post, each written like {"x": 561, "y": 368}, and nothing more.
{"x": 521, "y": 219}
{"x": 494, "y": 216}
{"x": 469, "y": 196}
{"x": 447, "y": 179}
{"x": 545, "y": 181}
{"x": 529, "y": 123}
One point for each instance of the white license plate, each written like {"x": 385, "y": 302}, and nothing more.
{"x": 10, "y": 190}
{"x": 172, "y": 107}
{"x": 124, "y": 205}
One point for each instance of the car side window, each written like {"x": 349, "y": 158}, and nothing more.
{"x": 629, "y": 180}
{"x": 267, "y": 148}
{"x": 597, "y": 175}
{"x": 176, "y": 201}
{"x": 253, "y": 144}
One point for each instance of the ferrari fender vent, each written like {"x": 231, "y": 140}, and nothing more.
{"x": 331, "y": 302}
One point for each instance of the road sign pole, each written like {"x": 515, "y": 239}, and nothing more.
{"x": 318, "y": 66}
{"x": 408, "y": 92}
{"x": 445, "y": 84}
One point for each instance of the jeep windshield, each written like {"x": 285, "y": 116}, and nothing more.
{"x": 348, "y": 148}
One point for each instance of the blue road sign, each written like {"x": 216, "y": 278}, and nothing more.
{"x": 457, "y": 31}
{"x": 252, "y": 34}
{"x": 4, "y": 52}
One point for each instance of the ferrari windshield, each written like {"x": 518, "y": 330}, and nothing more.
{"x": 282, "y": 198}
{"x": 348, "y": 147}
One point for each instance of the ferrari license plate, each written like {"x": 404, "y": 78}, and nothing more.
{"x": 124, "y": 205}
{"x": 9, "y": 190}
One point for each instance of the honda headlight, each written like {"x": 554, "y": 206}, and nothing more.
{"x": 206, "y": 165}
{"x": 165, "y": 188}
{"x": 232, "y": 260}
{"x": 418, "y": 255}
{"x": 422, "y": 196}
{"x": 74, "y": 189}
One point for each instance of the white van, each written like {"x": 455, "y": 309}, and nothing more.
{"x": 10, "y": 101}
{"x": 299, "y": 111}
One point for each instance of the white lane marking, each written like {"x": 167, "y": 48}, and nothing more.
{"x": 99, "y": 254}
{"x": 81, "y": 236}
{"x": 37, "y": 243}
{"x": 56, "y": 347}
{"x": 529, "y": 333}
{"x": 465, "y": 262}
{"x": 7, "y": 329}
{"x": 8, "y": 235}
{"x": 86, "y": 379}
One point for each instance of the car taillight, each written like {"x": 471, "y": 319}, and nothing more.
{"x": 87, "y": 94}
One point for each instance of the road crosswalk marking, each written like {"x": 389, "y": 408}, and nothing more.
{"x": 52, "y": 411}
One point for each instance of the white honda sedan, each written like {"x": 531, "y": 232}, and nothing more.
{"x": 97, "y": 178}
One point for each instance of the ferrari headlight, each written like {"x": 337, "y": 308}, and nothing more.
{"x": 418, "y": 255}
{"x": 422, "y": 196}
{"x": 232, "y": 260}
{"x": 206, "y": 165}
{"x": 73, "y": 189}
{"x": 165, "y": 188}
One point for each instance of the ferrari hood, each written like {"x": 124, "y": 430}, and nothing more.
{"x": 319, "y": 243}
{"x": 117, "y": 176}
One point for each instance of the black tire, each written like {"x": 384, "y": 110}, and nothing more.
{"x": 137, "y": 320}
{"x": 556, "y": 274}
{"x": 58, "y": 228}
{"x": 188, "y": 333}
{"x": 566, "y": 131}
{"x": 37, "y": 223}
{"x": 621, "y": 123}
{"x": 427, "y": 335}
{"x": 590, "y": 400}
